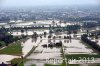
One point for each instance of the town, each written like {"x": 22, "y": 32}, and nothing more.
{"x": 50, "y": 36}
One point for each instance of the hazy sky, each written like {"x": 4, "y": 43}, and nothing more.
{"x": 46, "y": 2}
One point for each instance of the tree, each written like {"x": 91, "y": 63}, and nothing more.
{"x": 54, "y": 39}
{"x": 69, "y": 32}
{"x": 87, "y": 32}
{"x": 96, "y": 38}
{"x": 53, "y": 22}
{"x": 45, "y": 34}
{"x": 26, "y": 31}
{"x": 34, "y": 36}
{"x": 22, "y": 31}
{"x": 59, "y": 44}
{"x": 58, "y": 30}
{"x": 41, "y": 36}
{"x": 89, "y": 42}
{"x": 2, "y": 43}
{"x": 8, "y": 39}
{"x": 50, "y": 32}
{"x": 60, "y": 21}
{"x": 65, "y": 39}
{"x": 75, "y": 32}
{"x": 49, "y": 39}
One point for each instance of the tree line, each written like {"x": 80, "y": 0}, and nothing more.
{"x": 89, "y": 42}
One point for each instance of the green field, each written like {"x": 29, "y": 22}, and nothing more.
{"x": 13, "y": 49}
{"x": 19, "y": 61}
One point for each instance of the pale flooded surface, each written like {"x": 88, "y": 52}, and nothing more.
{"x": 28, "y": 45}
{"x": 76, "y": 47}
{"x": 40, "y": 54}
{"x": 4, "y": 58}
{"x": 29, "y": 32}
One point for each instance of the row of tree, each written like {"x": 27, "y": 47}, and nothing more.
{"x": 51, "y": 45}
{"x": 89, "y": 42}
{"x": 6, "y": 39}
{"x": 72, "y": 27}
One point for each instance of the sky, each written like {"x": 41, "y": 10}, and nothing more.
{"x": 18, "y": 3}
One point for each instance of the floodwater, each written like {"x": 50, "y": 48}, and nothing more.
{"x": 40, "y": 54}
